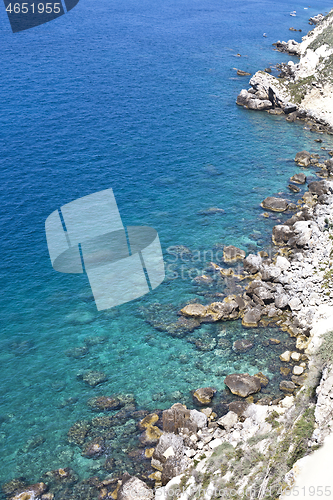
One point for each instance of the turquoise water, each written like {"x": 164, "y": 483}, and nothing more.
{"x": 139, "y": 98}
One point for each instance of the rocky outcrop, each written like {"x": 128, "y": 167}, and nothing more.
{"x": 316, "y": 19}
{"x": 291, "y": 47}
{"x": 304, "y": 90}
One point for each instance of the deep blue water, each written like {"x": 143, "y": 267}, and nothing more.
{"x": 139, "y": 97}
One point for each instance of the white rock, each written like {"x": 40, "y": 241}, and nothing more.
{"x": 228, "y": 420}
{"x": 295, "y": 304}
{"x": 190, "y": 453}
{"x": 285, "y": 356}
{"x": 295, "y": 356}
{"x": 216, "y": 442}
{"x": 287, "y": 402}
{"x": 298, "y": 370}
{"x": 199, "y": 418}
{"x": 282, "y": 263}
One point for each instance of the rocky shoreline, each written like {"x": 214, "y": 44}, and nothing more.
{"x": 256, "y": 441}
{"x": 192, "y": 450}
{"x": 303, "y": 91}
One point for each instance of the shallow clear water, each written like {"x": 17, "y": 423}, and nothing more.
{"x": 139, "y": 97}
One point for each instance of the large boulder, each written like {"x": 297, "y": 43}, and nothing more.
{"x": 303, "y": 158}
{"x": 239, "y": 407}
{"x": 169, "y": 457}
{"x": 221, "y": 310}
{"x": 198, "y": 418}
{"x": 282, "y": 263}
{"x": 252, "y": 263}
{"x": 274, "y": 204}
{"x": 232, "y": 254}
{"x": 251, "y": 318}
{"x": 298, "y": 178}
{"x": 270, "y": 273}
{"x": 277, "y": 93}
{"x": 204, "y": 395}
{"x": 317, "y": 19}
{"x": 281, "y": 234}
{"x": 242, "y": 384}
{"x": 318, "y": 187}
{"x": 264, "y": 295}
{"x": 228, "y": 420}
{"x": 291, "y": 47}
{"x": 303, "y": 232}
{"x": 133, "y": 488}
{"x": 281, "y": 300}
{"x": 179, "y": 417}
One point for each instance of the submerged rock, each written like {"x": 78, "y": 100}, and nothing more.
{"x": 32, "y": 492}
{"x": 242, "y": 384}
{"x": 94, "y": 449}
{"x": 78, "y": 432}
{"x": 242, "y": 345}
{"x": 150, "y": 436}
{"x": 104, "y": 403}
{"x": 211, "y": 211}
{"x": 148, "y": 421}
{"x": 93, "y": 378}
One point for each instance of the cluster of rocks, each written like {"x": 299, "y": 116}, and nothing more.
{"x": 268, "y": 93}
{"x": 316, "y": 19}
{"x": 302, "y": 91}
{"x": 291, "y": 47}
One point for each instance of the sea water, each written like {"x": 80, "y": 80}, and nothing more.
{"x": 138, "y": 97}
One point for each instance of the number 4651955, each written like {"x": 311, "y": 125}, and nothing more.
{"x": 25, "y": 8}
